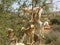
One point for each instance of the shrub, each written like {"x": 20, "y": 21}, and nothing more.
{"x": 55, "y": 21}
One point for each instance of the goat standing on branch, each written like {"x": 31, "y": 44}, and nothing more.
{"x": 36, "y": 12}
{"x": 29, "y": 33}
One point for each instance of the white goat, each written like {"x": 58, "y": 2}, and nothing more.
{"x": 46, "y": 23}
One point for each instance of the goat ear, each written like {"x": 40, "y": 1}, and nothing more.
{"x": 22, "y": 28}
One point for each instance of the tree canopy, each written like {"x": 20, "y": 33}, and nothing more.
{"x": 9, "y": 18}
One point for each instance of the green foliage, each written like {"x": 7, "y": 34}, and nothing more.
{"x": 47, "y": 41}
{"x": 55, "y": 20}
{"x": 11, "y": 20}
{"x": 51, "y": 37}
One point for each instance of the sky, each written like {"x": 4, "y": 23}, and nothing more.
{"x": 56, "y": 4}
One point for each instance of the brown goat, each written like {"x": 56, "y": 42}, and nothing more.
{"x": 28, "y": 31}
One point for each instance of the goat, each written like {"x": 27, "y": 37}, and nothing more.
{"x": 28, "y": 31}
{"x": 36, "y": 13}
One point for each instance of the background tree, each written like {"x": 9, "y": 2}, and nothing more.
{"x": 10, "y": 18}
